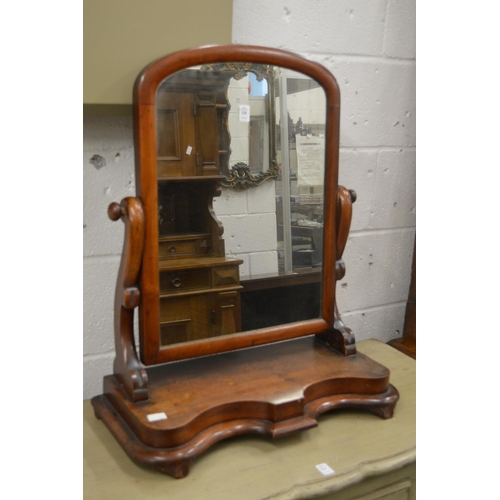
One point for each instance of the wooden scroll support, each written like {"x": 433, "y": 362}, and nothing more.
{"x": 127, "y": 367}
{"x": 341, "y": 337}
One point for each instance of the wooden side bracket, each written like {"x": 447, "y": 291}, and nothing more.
{"x": 127, "y": 367}
{"x": 341, "y": 337}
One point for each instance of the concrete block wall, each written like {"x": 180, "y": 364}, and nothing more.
{"x": 249, "y": 220}
{"x": 237, "y": 94}
{"x": 108, "y": 175}
{"x": 370, "y": 48}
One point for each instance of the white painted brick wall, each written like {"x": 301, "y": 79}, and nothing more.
{"x": 249, "y": 220}
{"x": 238, "y": 95}
{"x": 111, "y": 138}
{"x": 370, "y": 48}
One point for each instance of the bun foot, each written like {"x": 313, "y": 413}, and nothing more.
{"x": 178, "y": 470}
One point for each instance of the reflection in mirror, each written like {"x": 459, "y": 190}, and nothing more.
{"x": 251, "y": 89}
{"x": 233, "y": 260}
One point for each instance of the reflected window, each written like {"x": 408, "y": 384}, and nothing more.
{"x": 256, "y": 88}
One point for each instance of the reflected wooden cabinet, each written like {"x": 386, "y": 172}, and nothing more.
{"x": 199, "y": 286}
{"x": 199, "y": 298}
{"x": 192, "y": 111}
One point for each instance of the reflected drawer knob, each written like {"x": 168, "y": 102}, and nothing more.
{"x": 176, "y": 282}
{"x": 171, "y": 249}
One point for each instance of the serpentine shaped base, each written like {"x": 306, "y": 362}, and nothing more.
{"x": 273, "y": 390}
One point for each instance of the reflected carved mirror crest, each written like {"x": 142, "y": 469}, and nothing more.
{"x": 261, "y": 135}
{"x": 239, "y": 330}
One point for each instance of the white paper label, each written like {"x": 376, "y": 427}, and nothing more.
{"x": 244, "y": 113}
{"x": 310, "y": 160}
{"x": 325, "y": 469}
{"x": 155, "y": 417}
{"x": 188, "y": 150}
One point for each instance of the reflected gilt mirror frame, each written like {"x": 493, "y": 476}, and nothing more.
{"x": 240, "y": 175}
{"x": 166, "y": 414}
{"x": 329, "y": 324}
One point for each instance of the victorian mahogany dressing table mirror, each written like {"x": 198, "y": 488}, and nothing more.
{"x": 201, "y": 374}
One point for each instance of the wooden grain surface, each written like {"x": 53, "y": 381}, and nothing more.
{"x": 354, "y": 444}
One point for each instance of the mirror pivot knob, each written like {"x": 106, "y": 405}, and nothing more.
{"x": 114, "y": 211}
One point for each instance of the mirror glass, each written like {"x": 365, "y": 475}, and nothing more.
{"x": 241, "y": 164}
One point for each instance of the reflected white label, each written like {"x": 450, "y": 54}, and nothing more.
{"x": 244, "y": 113}
{"x": 310, "y": 160}
{"x": 188, "y": 150}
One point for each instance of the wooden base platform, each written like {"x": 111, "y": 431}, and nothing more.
{"x": 271, "y": 390}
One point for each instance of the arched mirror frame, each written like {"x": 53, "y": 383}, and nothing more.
{"x": 328, "y": 325}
